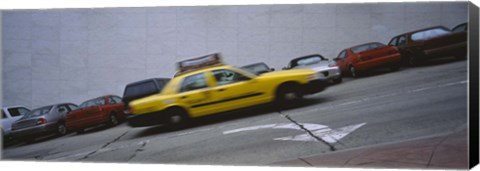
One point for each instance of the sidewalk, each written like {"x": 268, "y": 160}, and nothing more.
{"x": 442, "y": 152}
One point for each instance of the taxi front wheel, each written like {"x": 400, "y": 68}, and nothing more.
{"x": 287, "y": 94}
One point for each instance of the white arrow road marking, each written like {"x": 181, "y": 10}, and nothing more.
{"x": 322, "y": 131}
{"x": 327, "y": 134}
{"x": 308, "y": 126}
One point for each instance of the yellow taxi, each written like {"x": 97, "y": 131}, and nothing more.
{"x": 205, "y": 85}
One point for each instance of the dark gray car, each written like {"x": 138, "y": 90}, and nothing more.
{"x": 42, "y": 121}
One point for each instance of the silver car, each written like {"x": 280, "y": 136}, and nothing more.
{"x": 42, "y": 121}
{"x": 9, "y": 115}
{"x": 318, "y": 63}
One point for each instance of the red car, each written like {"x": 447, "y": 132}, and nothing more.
{"x": 101, "y": 110}
{"x": 358, "y": 59}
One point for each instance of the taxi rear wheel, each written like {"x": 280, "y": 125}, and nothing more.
{"x": 177, "y": 118}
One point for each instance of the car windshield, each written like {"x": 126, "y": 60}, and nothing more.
{"x": 306, "y": 61}
{"x": 38, "y": 112}
{"x": 93, "y": 102}
{"x": 428, "y": 34}
{"x": 365, "y": 47}
{"x": 256, "y": 68}
{"x": 460, "y": 28}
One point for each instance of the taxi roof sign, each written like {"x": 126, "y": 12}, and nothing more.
{"x": 197, "y": 63}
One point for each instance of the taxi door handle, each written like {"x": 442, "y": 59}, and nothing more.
{"x": 183, "y": 97}
{"x": 222, "y": 89}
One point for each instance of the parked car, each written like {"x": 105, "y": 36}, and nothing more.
{"x": 318, "y": 63}
{"x": 101, "y": 110}
{"x": 205, "y": 86}
{"x": 368, "y": 56}
{"x": 257, "y": 68}
{"x": 460, "y": 28}
{"x": 433, "y": 42}
{"x": 140, "y": 89}
{"x": 42, "y": 121}
{"x": 9, "y": 115}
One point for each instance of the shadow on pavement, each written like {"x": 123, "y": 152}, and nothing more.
{"x": 427, "y": 63}
{"x": 233, "y": 115}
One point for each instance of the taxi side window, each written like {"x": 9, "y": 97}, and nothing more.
{"x": 224, "y": 76}
{"x": 193, "y": 82}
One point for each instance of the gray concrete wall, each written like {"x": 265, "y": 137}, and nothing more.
{"x": 72, "y": 55}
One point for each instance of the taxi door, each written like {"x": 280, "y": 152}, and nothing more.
{"x": 234, "y": 90}
{"x": 195, "y": 93}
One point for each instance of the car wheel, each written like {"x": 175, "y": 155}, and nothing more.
{"x": 354, "y": 72}
{"x": 337, "y": 80}
{"x": 395, "y": 67}
{"x": 413, "y": 61}
{"x": 177, "y": 118}
{"x": 61, "y": 129}
{"x": 113, "y": 120}
{"x": 80, "y": 131}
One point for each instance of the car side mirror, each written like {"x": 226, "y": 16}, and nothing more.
{"x": 272, "y": 69}
{"x": 284, "y": 68}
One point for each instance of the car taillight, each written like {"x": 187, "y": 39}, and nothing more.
{"x": 41, "y": 121}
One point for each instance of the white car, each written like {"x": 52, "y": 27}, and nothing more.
{"x": 318, "y": 63}
{"x": 10, "y": 115}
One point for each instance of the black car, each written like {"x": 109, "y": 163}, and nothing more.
{"x": 257, "y": 68}
{"x": 144, "y": 88}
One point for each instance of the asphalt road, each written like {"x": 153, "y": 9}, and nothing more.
{"x": 382, "y": 107}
